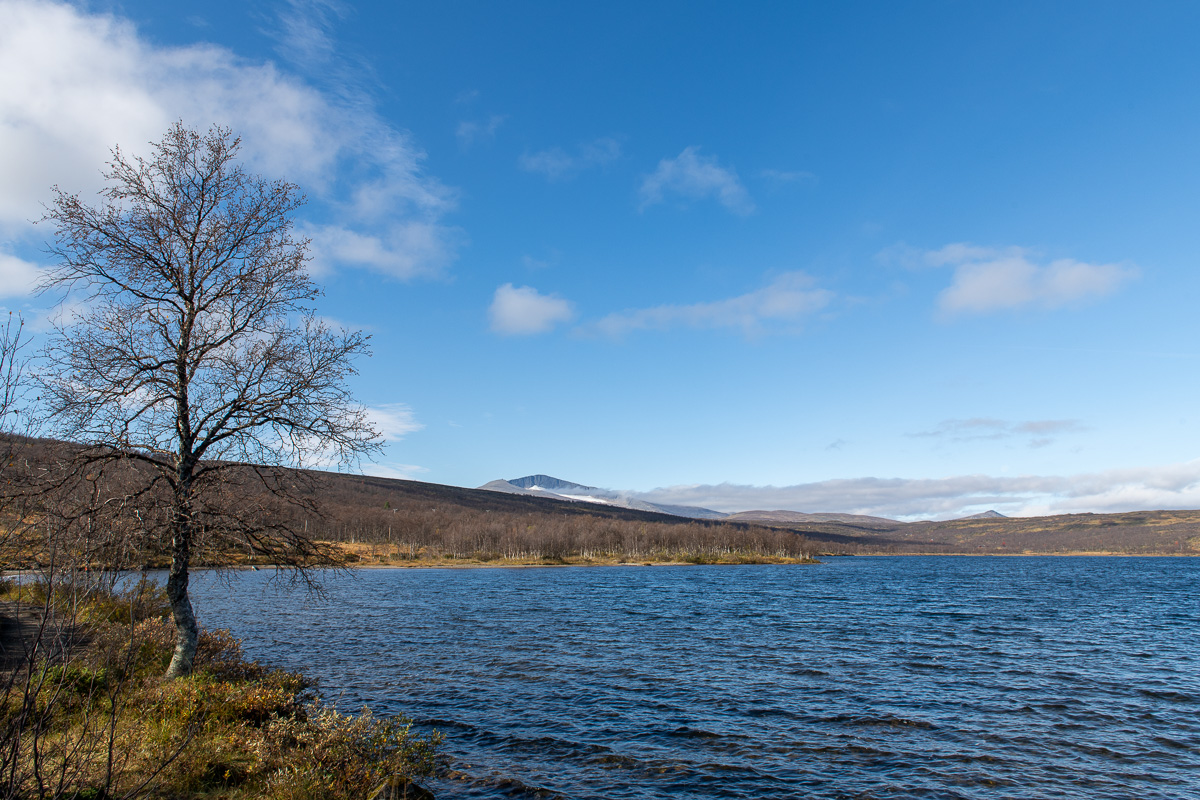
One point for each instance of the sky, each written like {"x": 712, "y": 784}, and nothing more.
{"x": 910, "y": 259}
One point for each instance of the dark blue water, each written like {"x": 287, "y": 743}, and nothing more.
{"x": 858, "y": 678}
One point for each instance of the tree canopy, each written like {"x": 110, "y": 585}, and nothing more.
{"x": 193, "y": 347}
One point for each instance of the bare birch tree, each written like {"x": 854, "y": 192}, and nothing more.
{"x": 194, "y": 349}
{"x": 12, "y": 424}
{"x": 12, "y": 367}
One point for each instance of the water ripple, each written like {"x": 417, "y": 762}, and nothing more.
{"x": 861, "y": 678}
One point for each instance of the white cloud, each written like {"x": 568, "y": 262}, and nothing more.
{"x": 553, "y": 163}
{"x": 304, "y": 31}
{"x": 78, "y": 83}
{"x": 695, "y": 177}
{"x": 556, "y": 163}
{"x": 788, "y": 299}
{"x": 393, "y": 420}
{"x": 404, "y": 472}
{"x": 1164, "y": 487}
{"x": 529, "y": 262}
{"x": 521, "y": 311}
{"x": 405, "y": 250}
{"x": 991, "y": 279}
{"x": 470, "y": 132}
{"x": 600, "y": 151}
{"x": 18, "y": 278}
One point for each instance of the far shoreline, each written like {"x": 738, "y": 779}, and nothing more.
{"x": 463, "y": 564}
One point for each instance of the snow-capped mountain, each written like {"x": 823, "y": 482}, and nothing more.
{"x": 558, "y": 489}
{"x": 992, "y": 514}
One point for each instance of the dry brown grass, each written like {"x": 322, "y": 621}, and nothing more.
{"x": 98, "y": 721}
{"x": 364, "y": 554}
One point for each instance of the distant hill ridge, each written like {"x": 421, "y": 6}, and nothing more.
{"x": 541, "y": 485}
{"x": 782, "y": 517}
{"x": 391, "y": 511}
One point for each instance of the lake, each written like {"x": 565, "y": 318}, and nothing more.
{"x": 886, "y": 677}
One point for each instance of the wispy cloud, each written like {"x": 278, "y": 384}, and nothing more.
{"x": 786, "y": 301}
{"x": 989, "y": 279}
{"x": 18, "y": 278}
{"x": 1167, "y": 487}
{"x": 556, "y": 164}
{"x": 693, "y": 176}
{"x": 403, "y": 250}
{"x": 394, "y": 420}
{"x": 304, "y": 31}
{"x": 389, "y": 469}
{"x": 523, "y": 311}
{"x": 82, "y": 82}
{"x": 1039, "y": 433}
{"x": 472, "y": 132}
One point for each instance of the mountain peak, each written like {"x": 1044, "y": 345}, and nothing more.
{"x": 558, "y": 489}
{"x": 547, "y": 482}
{"x": 989, "y": 514}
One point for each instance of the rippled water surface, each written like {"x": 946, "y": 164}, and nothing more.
{"x": 856, "y": 678}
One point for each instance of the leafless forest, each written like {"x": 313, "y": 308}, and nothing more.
{"x": 402, "y": 517}
{"x": 383, "y": 520}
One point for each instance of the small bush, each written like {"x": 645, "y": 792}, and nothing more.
{"x": 77, "y": 679}
{"x": 144, "y": 600}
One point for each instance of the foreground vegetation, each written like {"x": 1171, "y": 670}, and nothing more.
{"x": 383, "y": 554}
{"x": 86, "y": 714}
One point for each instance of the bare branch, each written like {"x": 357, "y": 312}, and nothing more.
{"x": 197, "y": 346}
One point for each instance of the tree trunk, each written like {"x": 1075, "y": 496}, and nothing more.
{"x": 187, "y": 633}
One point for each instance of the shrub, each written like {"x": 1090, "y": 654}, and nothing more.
{"x": 144, "y": 600}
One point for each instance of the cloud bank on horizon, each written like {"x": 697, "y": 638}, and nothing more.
{"x": 1173, "y": 486}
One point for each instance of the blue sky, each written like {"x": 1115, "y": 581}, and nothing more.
{"x": 909, "y": 259}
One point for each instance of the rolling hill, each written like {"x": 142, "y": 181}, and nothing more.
{"x": 432, "y": 518}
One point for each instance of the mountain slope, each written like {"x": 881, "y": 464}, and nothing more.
{"x": 558, "y": 489}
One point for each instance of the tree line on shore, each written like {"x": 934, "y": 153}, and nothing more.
{"x": 109, "y": 516}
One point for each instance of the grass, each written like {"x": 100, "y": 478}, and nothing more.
{"x": 384, "y": 555}
{"x": 98, "y": 721}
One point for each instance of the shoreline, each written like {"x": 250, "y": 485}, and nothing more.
{"x": 475, "y": 564}
{"x": 499, "y": 564}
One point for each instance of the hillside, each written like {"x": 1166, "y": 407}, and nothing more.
{"x": 404, "y": 521}
{"x": 356, "y": 504}
{"x": 794, "y": 518}
{"x": 558, "y": 489}
{"x": 423, "y": 520}
{"x": 1135, "y": 532}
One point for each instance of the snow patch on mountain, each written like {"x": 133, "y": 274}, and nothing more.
{"x": 558, "y": 489}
